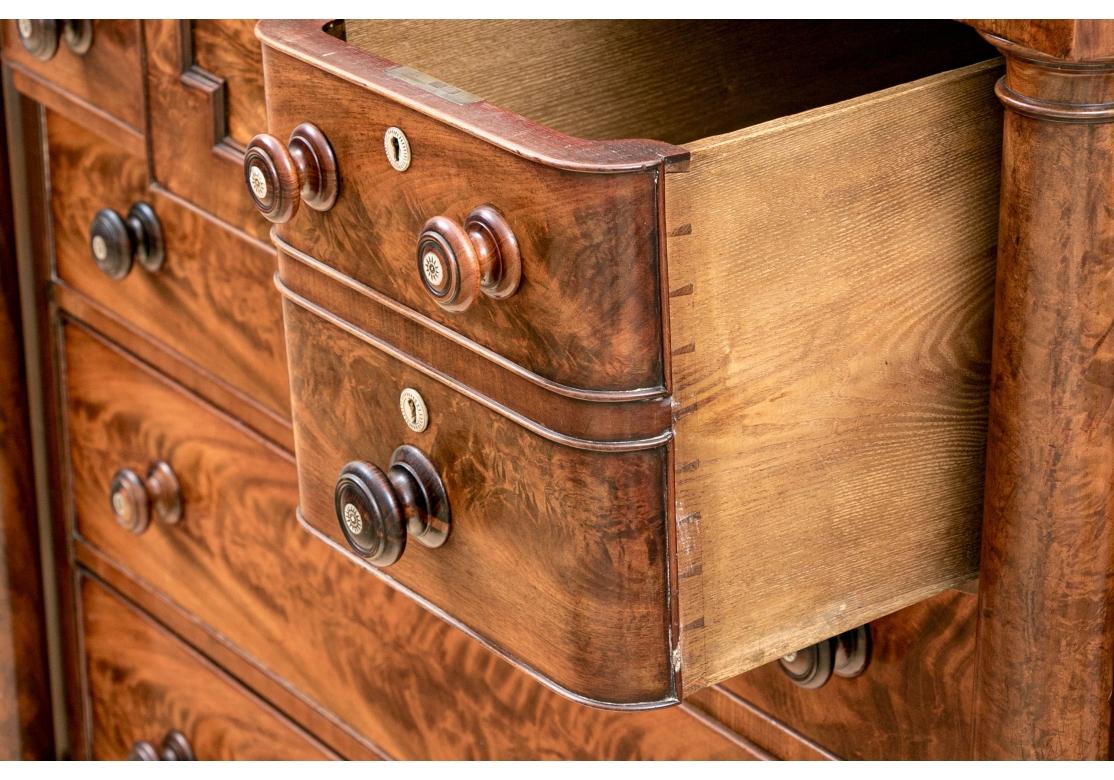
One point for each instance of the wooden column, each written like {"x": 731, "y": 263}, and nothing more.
{"x": 1045, "y": 661}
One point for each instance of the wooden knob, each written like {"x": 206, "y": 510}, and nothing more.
{"x": 376, "y": 511}
{"x": 134, "y": 500}
{"x": 143, "y": 751}
{"x": 39, "y": 37}
{"x": 175, "y": 747}
{"x": 115, "y": 241}
{"x": 455, "y": 263}
{"x": 846, "y": 655}
{"x": 278, "y": 176}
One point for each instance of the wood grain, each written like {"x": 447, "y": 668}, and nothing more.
{"x": 228, "y": 49}
{"x": 214, "y": 287}
{"x": 914, "y": 702}
{"x": 830, "y": 318}
{"x": 660, "y": 79}
{"x": 109, "y": 75}
{"x": 320, "y": 624}
{"x": 1073, "y": 40}
{"x": 142, "y": 683}
{"x": 1046, "y": 614}
{"x": 191, "y": 152}
{"x": 25, "y": 710}
{"x": 587, "y": 313}
{"x": 592, "y": 616}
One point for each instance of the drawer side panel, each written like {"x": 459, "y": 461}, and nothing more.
{"x": 831, "y": 280}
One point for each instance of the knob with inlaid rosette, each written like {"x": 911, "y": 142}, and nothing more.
{"x": 846, "y": 655}
{"x": 40, "y": 37}
{"x": 116, "y": 242}
{"x": 458, "y": 262}
{"x": 278, "y": 176}
{"x": 134, "y": 499}
{"x": 376, "y": 510}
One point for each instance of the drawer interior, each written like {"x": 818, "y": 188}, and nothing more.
{"x": 672, "y": 81}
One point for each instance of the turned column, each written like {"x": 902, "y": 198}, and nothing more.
{"x": 1045, "y": 658}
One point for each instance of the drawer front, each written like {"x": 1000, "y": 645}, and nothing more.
{"x": 109, "y": 75}
{"x": 142, "y": 683}
{"x": 407, "y": 680}
{"x": 587, "y": 311}
{"x": 214, "y": 286}
{"x": 558, "y": 554}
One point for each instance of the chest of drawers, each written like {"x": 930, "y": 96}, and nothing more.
{"x": 602, "y": 390}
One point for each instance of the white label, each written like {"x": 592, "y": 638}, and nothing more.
{"x": 258, "y": 182}
{"x": 414, "y": 412}
{"x": 353, "y": 520}
{"x": 432, "y": 268}
{"x": 100, "y": 248}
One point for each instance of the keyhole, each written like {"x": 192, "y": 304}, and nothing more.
{"x": 413, "y": 407}
{"x": 396, "y": 148}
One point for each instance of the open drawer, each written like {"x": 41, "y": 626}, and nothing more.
{"x": 694, "y": 402}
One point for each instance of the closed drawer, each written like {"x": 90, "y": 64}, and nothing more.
{"x": 97, "y": 61}
{"x": 211, "y": 297}
{"x": 818, "y": 286}
{"x": 395, "y": 674}
{"x": 142, "y": 684}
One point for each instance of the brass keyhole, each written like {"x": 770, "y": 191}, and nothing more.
{"x": 397, "y": 148}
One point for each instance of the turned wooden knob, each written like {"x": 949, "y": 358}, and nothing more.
{"x": 134, "y": 500}
{"x": 115, "y": 241}
{"x": 455, "y": 263}
{"x": 279, "y": 176}
{"x": 376, "y": 511}
{"x": 40, "y": 36}
{"x": 175, "y": 747}
{"x": 846, "y": 655}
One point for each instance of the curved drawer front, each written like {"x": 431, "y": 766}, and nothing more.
{"x": 558, "y": 553}
{"x": 587, "y": 310}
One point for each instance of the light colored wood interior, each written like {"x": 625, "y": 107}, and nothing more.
{"x": 831, "y": 279}
{"x": 672, "y": 81}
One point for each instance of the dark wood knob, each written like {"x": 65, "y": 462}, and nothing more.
{"x": 115, "y": 242}
{"x": 846, "y": 655}
{"x": 134, "y": 500}
{"x": 278, "y": 176}
{"x": 456, "y": 263}
{"x": 175, "y": 747}
{"x": 40, "y": 36}
{"x": 376, "y": 511}
{"x": 143, "y": 751}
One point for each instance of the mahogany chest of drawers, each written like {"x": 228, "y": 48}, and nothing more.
{"x": 606, "y": 389}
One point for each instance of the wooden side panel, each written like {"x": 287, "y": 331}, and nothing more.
{"x": 831, "y": 282}
{"x": 25, "y": 717}
{"x": 320, "y": 623}
{"x": 109, "y": 75}
{"x": 142, "y": 683}
{"x": 215, "y": 287}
